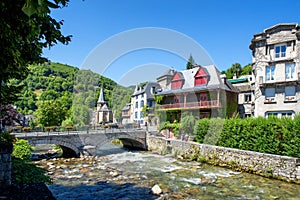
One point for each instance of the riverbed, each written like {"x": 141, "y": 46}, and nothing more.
{"x": 120, "y": 174}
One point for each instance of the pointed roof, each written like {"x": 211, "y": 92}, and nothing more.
{"x": 101, "y": 97}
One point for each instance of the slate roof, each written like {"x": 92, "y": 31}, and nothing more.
{"x": 214, "y": 82}
{"x": 126, "y": 107}
{"x": 147, "y": 89}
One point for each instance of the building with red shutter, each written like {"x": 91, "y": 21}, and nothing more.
{"x": 202, "y": 91}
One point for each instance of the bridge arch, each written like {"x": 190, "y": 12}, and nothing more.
{"x": 129, "y": 141}
{"x": 68, "y": 149}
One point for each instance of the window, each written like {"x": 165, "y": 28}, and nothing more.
{"x": 141, "y": 115}
{"x": 137, "y": 96}
{"x": 136, "y": 104}
{"x": 142, "y": 95}
{"x": 280, "y": 51}
{"x": 290, "y": 71}
{"x": 150, "y": 103}
{"x": 247, "y": 97}
{"x": 280, "y": 114}
{"x": 136, "y": 115}
{"x": 270, "y": 92}
{"x": 275, "y": 114}
{"x": 270, "y": 71}
{"x": 290, "y": 91}
{"x": 287, "y": 114}
{"x": 142, "y": 103}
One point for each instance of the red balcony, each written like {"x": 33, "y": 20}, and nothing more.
{"x": 192, "y": 105}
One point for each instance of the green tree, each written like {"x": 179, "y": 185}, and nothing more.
{"x": 48, "y": 95}
{"x": 235, "y": 69}
{"x": 51, "y": 113}
{"x": 246, "y": 70}
{"x": 190, "y": 63}
{"x": 26, "y": 28}
{"x": 187, "y": 123}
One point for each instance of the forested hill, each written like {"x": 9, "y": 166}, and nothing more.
{"x": 51, "y": 85}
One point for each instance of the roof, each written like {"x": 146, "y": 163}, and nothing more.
{"x": 214, "y": 82}
{"x": 104, "y": 108}
{"x": 169, "y": 72}
{"x": 147, "y": 89}
{"x": 126, "y": 107}
{"x": 238, "y": 80}
{"x": 101, "y": 96}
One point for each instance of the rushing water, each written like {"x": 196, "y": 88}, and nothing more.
{"x": 131, "y": 175}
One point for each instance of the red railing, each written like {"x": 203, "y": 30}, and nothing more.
{"x": 192, "y": 105}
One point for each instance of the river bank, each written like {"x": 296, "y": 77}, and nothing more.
{"x": 36, "y": 191}
{"x": 133, "y": 174}
{"x": 267, "y": 165}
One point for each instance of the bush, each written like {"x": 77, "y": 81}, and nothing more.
{"x": 201, "y": 129}
{"x": 187, "y": 124}
{"x": 6, "y": 137}
{"x": 22, "y": 150}
{"x": 23, "y": 170}
{"x": 171, "y": 126}
{"x": 265, "y": 135}
{"x": 26, "y": 172}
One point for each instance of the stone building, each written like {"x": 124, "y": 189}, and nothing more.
{"x": 276, "y": 70}
{"x": 103, "y": 113}
{"x": 201, "y": 90}
{"x": 245, "y": 86}
{"x": 143, "y": 98}
{"x": 126, "y": 114}
{"x": 165, "y": 79}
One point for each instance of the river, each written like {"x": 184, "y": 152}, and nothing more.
{"x": 120, "y": 174}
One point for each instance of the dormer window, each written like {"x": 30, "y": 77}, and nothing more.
{"x": 201, "y": 77}
{"x": 177, "y": 81}
{"x": 280, "y": 51}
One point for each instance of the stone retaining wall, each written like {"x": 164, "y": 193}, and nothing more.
{"x": 5, "y": 164}
{"x": 269, "y": 165}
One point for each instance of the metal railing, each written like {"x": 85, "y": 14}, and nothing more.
{"x": 200, "y": 104}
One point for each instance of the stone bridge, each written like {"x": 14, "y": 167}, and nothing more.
{"x": 76, "y": 143}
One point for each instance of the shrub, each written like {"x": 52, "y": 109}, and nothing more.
{"x": 26, "y": 172}
{"x": 266, "y": 135}
{"x": 201, "y": 129}
{"x": 187, "y": 124}
{"x": 6, "y": 137}
{"x": 22, "y": 150}
{"x": 171, "y": 126}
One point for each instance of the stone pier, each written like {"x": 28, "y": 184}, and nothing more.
{"x": 5, "y": 164}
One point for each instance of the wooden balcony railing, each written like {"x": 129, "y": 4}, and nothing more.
{"x": 193, "y": 105}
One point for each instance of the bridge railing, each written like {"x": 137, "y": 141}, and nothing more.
{"x": 46, "y": 131}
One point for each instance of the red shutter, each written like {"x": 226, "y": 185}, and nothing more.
{"x": 201, "y": 77}
{"x": 177, "y": 81}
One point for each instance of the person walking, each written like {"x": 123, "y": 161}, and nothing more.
{"x": 182, "y": 135}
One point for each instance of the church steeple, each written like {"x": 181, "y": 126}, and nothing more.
{"x": 101, "y": 97}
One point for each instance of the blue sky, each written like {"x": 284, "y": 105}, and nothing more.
{"x": 223, "y": 28}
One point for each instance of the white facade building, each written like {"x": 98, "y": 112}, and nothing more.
{"x": 276, "y": 69}
{"x": 143, "y": 96}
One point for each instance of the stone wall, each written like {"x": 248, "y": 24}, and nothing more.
{"x": 5, "y": 164}
{"x": 269, "y": 165}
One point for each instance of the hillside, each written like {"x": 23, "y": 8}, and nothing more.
{"x": 70, "y": 89}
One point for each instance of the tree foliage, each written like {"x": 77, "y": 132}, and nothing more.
{"x": 22, "y": 150}
{"x": 190, "y": 63}
{"x": 187, "y": 123}
{"x": 51, "y": 113}
{"x": 26, "y": 28}
{"x": 237, "y": 70}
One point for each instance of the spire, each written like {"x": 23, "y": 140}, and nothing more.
{"x": 101, "y": 97}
